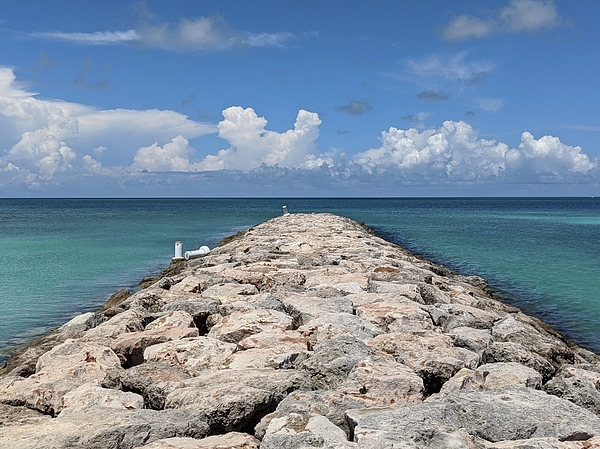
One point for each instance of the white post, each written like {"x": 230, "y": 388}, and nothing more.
{"x": 178, "y": 251}
{"x": 285, "y": 211}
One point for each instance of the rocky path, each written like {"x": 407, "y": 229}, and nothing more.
{"x": 305, "y": 331}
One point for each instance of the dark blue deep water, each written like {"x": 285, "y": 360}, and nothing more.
{"x": 61, "y": 257}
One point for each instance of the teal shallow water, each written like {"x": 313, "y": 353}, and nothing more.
{"x": 63, "y": 257}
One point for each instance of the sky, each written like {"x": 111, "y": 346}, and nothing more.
{"x": 299, "y": 99}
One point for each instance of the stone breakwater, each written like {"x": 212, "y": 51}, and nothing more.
{"x": 305, "y": 331}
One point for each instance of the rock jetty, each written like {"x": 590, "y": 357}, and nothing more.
{"x": 305, "y": 331}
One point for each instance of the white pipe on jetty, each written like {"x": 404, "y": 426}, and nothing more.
{"x": 197, "y": 253}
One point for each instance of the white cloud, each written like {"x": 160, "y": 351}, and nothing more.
{"x": 44, "y": 138}
{"x": 454, "y": 152}
{"x": 252, "y": 145}
{"x": 518, "y": 16}
{"x": 203, "y": 33}
{"x": 490, "y": 104}
{"x": 451, "y": 67}
{"x": 95, "y": 38}
{"x": 172, "y": 157}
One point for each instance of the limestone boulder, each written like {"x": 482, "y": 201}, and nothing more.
{"x": 432, "y": 356}
{"x": 94, "y": 395}
{"x": 512, "y": 330}
{"x": 237, "y": 326}
{"x": 235, "y": 400}
{"x": 332, "y": 360}
{"x": 335, "y": 325}
{"x": 476, "y": 340}
{"x": 514, "y": 352}
{"x": 129, "y": 321}
{"x": 396, "y": 316}
{"x": 494, "y": 416}
{"x": 303, "y": 431}
{"x": 104, "y": 427}
{"x": 59, "y": 371}
{"x": 380, "y": 382}
{"x": 304, "y": 308}
{"x": 130, "y": 346}
{"x": 330, "y": 404}
{"x": 493, "y": 376}
{"x": 193, "y": 355}
{"x": 153, "y": 381}
{"x": 270, "y": 349}
{"x": 231, "y": 440}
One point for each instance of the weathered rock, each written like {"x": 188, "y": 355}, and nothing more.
{"x": 269, "y": 349}
{"x": 396, "y": 317}
{"x": 304, "y": 431}
{"x": 104, "y": 427}
{"x": 91, "y": 394}
{"x": 476, "y": 340}
{"x": 334, "y": 325}
{"x": 152, "y": 380}
{"x": 494, "y": 376}
{"x": 515, "y": 414}
{"x": 62, "y": 369}
{"x": 231, "y": 440}
{"x": 235, "y": 399}
{"x": 304, "y": 308}
{"x": 229, "y": 292}
{"x": 514, "y": 352}
{"x": 432, "y": 356}
{"x": 577, "y": 389}
{"x": 381, "y": 382}
{"x": 193, "y": 355}
{"x": 130, "y": 321}
{"x": 330, "y": 404}
{"x": 130, "y": 346}
{"x": 333, "y": 360}
{"x": 552, "y": 349}
{"x": 239, "y": 325}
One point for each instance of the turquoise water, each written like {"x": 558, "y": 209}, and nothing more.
{"x": 63, "y": 257}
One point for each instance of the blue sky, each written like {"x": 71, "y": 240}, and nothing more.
{"x": 312, "y": 98}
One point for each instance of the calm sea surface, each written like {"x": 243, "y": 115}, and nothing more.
{"x": 62, "y": 257}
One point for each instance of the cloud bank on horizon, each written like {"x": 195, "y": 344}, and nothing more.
{"x": 55, "y": 147}
{"x": 49, "y": 140}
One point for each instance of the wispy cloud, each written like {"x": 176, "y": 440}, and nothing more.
{"x": 518, "y": 16}
{"x": 199, "y": 34}
{"x": 433, "y": 96}
{"x": 94, "y": 38}
{"x": 452, "y": 67}
{"x": 355, "y": 107}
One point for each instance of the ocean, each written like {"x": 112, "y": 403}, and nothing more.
{"x": 63, "y": 257}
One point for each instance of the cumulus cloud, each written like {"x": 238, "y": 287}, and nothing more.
{"x": 172, "y": 157}
{"x": 253, "y": 145}
{"x": 454, "y": 152}
{"x": 198, "y": 34}
{"x": 518, "y": 16}
{"x": 41, "y": 139}
{"x": 355, "y": 107}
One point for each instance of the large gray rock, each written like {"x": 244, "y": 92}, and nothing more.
{"x": 231, "y": 440}
{"x": 330, "y": 404}
{"x": 510, "y": 414}
{"x": 333, "y": 360}
{"x": 104, "y": 427}
{"x": 60, "y": 370}
{"x": 235, "y": 399}
{"x": 296, "y": 431}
